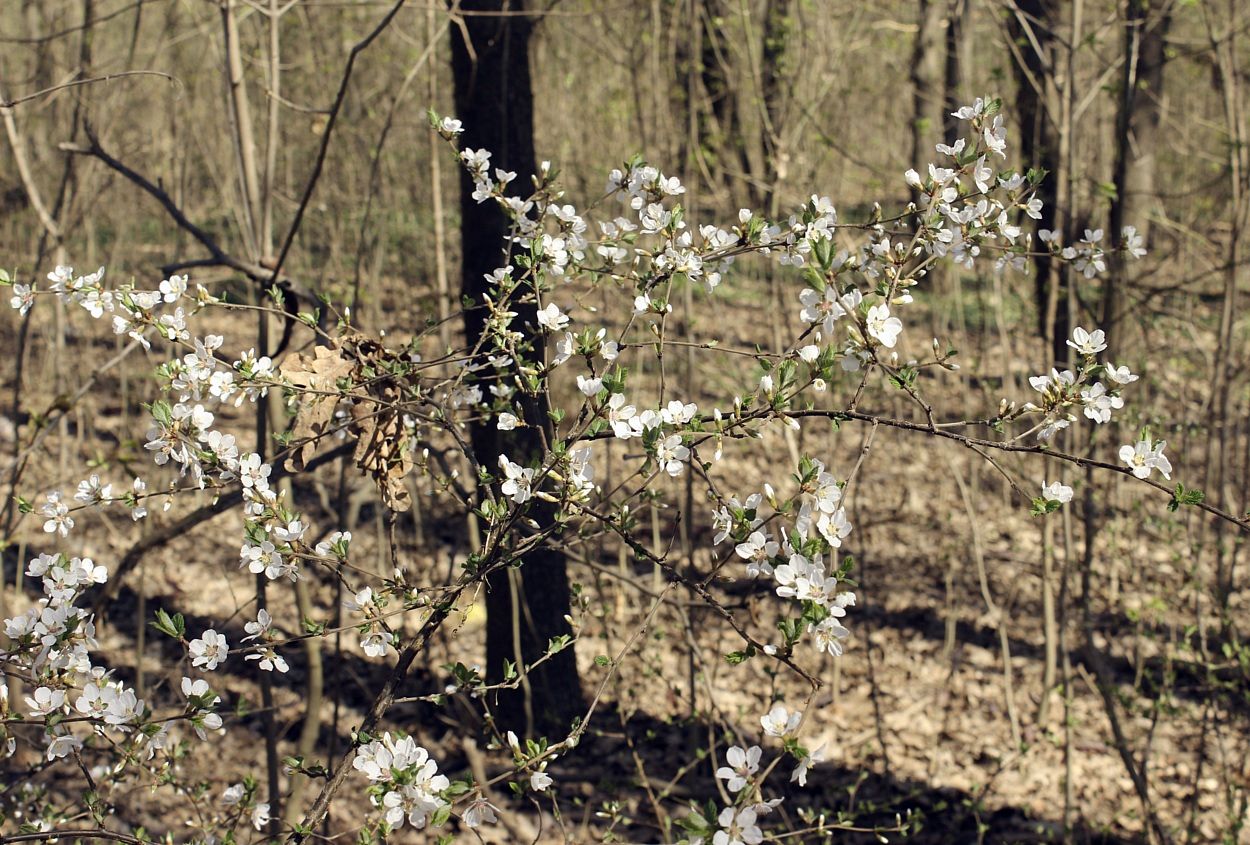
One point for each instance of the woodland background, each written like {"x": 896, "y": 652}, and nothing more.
{"x": 1081, "y": 677}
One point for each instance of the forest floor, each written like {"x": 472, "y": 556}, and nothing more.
{"x": 918, "y": 715}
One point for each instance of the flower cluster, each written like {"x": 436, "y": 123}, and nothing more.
{"x": 404, "y": 780}
{"x": 797, "y": 560}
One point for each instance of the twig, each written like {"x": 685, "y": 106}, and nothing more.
{"x": 220, "y": 505}
{"x": 331, "y": 120}
{"x": 219, "y": 257}
{"x": 8, "y": 104}
{"x": 52, "y": 835}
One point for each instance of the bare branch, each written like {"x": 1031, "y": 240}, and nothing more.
{"x": 8, "y": 104}
{"x": 219, "y": 257}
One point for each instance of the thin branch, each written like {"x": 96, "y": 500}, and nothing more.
{"x": 8, "y": 104}
{"x": 973, "y": 442}
{"x": 219, "y": 256}
{"x": 331, "y": 121}
{"x": 53, "y": 835}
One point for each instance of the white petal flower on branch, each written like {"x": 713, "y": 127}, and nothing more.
{"x": 882, "y": 326}
{"x": 780, "y": 722}
{"x": 209, "y": 650}
{"x": 1145, "y": 456}
{"x": 1057, "y": 491}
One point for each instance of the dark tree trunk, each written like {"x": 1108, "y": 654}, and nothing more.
{"x": 776, "y": 97}
{"x": 1138, "y": 116}
{"x": 1039, "y": 147}
{"x": 720, "y": 130}
{"x": 526, "y": 604}
{"x": 1151, "y": 20}
{"x": 957, "y": 28}
{"x": 926, "y": 87}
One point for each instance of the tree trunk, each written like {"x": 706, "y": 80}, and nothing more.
{"x": 958, "y": 13}
{"x": 1138, "y": 116}
{"x": 720, "y": 128}
{"x": 926, "y": 86}
{"x": 526, "y": 604}
{"x": 1032, "y": 31}
{"x": 1145, "y": 116}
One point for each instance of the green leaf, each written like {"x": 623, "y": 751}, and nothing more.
{"x": 1042, "y": 506}
{"x": 174, "y": 626}
{"x": 1182, "y": 496}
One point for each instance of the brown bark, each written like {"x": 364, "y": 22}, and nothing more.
{"x": 526, "y": 604}
{"x": 926, "y": 93}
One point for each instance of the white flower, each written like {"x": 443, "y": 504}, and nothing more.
{"x": 209, "y": 650}
{"x": 260, "y": 816}
{"x": 821, "y": 307}
{"x": 46, "y": 701}
{"x": 589, "y": 386}
{"x": 565, "y": 347}
{"x": 1088, "y": 343}
{"x": 780, "y": 722}
{"x": 450, "y": 126}
{"x": 478, "y": 813}
{"x": 196, "y": 687}
{"x": 678, "y": 413}
{"x": 882, "y": 326}
{"x": 619, "y": 416}
{"x": 743, "y": 763}
{"x": 291, "y": 532}
{"x": 411, "y": 803}
{"x": 507, "y": 421}
{"x": 828, "y": 636}
{"x": 758, "y": 550}
{"x": 92, "y": 491}
{"x": 336, "y": 544}
{"x": 1057, "y": 491}
{"x": 834, "y": 527}
{"x": 738, "y": 827}
{"x": 799, "y": 775}
{"x": 1133, "y": 243}
{"x": 1054, "y": 386}
{"x": 996, "y": 136}
{"x": 1099, "y": 403}
{"x": 260, "y": 627}
{"x": 539, "y": 781}
{"x": 517, "y": 480}
{"x": 59, "y": 521}
{"x": 173, "y": 288}
{"x": 670, "y": 454}
{"x": 552, "y": 319}
{"x": 270, "y": 661}
{"x": 253, "y": 472}
{"x": 23, "y": 298}
{"x": 1119, "y": 375}
{"x": 267, "y": 559}
{"x": 232, "y": 795}
{"x": 1052, "y": 427}
{"x": 374, "y": 643}
{"x": 62, "y": 744}
{"x": 361, "y": 602}
{"x": 1145, "y": 456}
{"x": 138, "y": 511}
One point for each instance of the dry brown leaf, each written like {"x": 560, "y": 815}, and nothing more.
{"x": 319, "y": 375}
{"x": 382, "y": 445}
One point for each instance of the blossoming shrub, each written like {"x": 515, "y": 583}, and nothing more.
{"x": 852, "y": 286}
